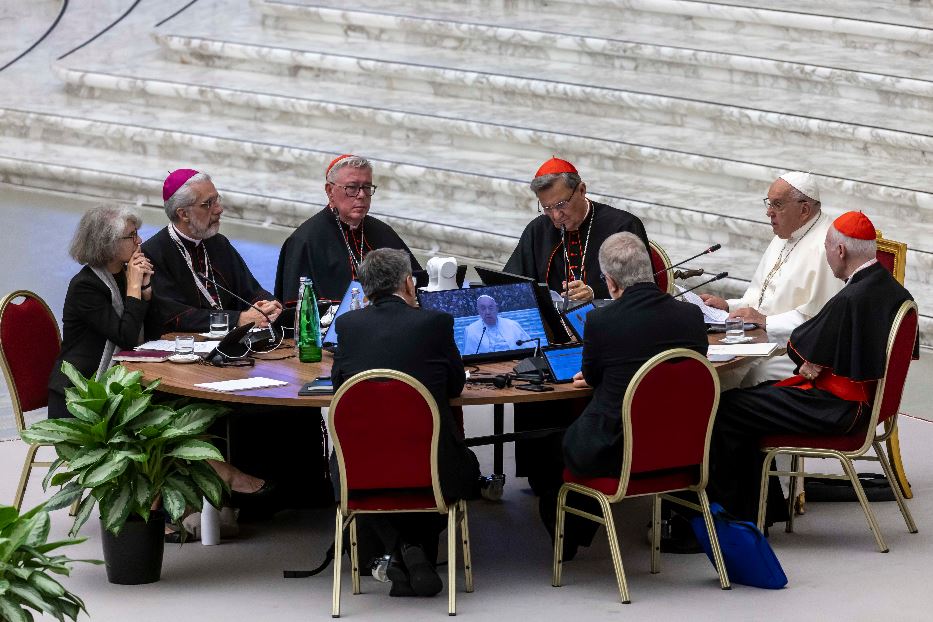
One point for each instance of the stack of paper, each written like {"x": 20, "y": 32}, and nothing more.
{"x": 200, "y": 347}
{"x": 744, "y": 349}
{"x": 711, "y": 315}
{"x": 244, "y": 384}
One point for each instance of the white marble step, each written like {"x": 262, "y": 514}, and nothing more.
{"x": 280, "y": 149}
{"x": 555, "y": 86}
{"x": 22, "y": 24}
{"x": 808, "y": 65}
{"x": 497, "y": 127}
{"x": 913, "y": 13}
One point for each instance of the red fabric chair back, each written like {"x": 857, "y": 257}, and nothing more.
{"x": 886, "y": 259}
{"x": 671, "y": 410}
{"x": 29, "y": 346}
{"x": 385, "y": 429}
{"x": 899, "y": 356}
{"x": 659, "y": 261}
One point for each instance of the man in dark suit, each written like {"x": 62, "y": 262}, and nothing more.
{"x": 392, "y": 333}
{"x": 620, "y": 337}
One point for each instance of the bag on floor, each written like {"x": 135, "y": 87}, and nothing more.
{"x": 749, "y": 558}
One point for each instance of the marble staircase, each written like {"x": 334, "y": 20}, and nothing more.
{"x": 680, "y": 111}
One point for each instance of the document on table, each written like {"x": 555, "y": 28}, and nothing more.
{"x": 200, "y": 347}
{"x": 743, "y": 349}
{"x": 244, "y": 384}
{"x": 711, "y": 315}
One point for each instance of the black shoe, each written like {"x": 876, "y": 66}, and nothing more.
{"x": 261, "y": 504}
{"x": 396, "y": 573}
{"x": 679, "y": 538}
{"x": 421, "y": 573}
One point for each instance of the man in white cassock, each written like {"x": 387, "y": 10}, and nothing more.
{"x": 793, "y": 279}
{"x": 491, "y": 333}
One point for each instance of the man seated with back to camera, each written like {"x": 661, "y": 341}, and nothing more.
{"x": 641, "y": 322}
{"x": 392, "y": 333}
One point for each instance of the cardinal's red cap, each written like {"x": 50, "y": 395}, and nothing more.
{"x": 855, "y": 225}
{"x": 555, "y": 166}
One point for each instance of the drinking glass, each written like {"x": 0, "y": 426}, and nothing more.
{"x": 220, "y": 324}
{"x": 735, "y": 330}
{"x": 184, "y": 344}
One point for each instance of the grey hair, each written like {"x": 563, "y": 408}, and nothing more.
{"x": 860, "y": 249}
{"x": 353, "y": 162}
{"x": 184, "y": 197}
{"x": 623, "y": 256}
{"x": 383, "y": 272}
{"x": 797, "y": 195}
{"x": 546, "y": 181}
{"x": 100, "y": 228}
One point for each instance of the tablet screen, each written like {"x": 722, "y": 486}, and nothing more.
{"x": 330, "y": 337}
{"x": 564, "y": 362}
{"x": 577, "y": 318}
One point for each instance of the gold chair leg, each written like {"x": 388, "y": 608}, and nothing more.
{"x": 559, "y": 537}
{"x": 714, "y": 541}
{"x": 763, "y": 495}
{"x": 863, "y": 500}
{"x": 338, "y": 557}
{"x": 656, "y": 534}
{"x": 465, "y": 538}
{"x": 614, "y": 550}
{"x": 24, "y": 476}
{"x": 354, "y": 557}
{"x": 897, "y": 465}
{"x": 452, "y": 561}
{"x": 889, "y": 473}
{"x": 791, "y": 494}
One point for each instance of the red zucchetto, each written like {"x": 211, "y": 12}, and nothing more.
{"x": 175, "y": 180}
{"x": 855, "y": 225}
{"x": 555, "y": 166}
{"x": 334, "y": 161}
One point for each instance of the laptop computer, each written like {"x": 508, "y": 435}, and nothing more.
{"x": 330, "y": 337}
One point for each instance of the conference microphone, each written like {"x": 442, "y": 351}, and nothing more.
{"x": 535, "y": 362}
{"x": 689, "y": 273}
{"x": 256, "y": 342}
{"x": 711, "y": 249}
{"x": 721, "y": 275}
{"x": 238, "y": 297}
{"x": 537, "y": 341}
{"x": 480, "y": 342}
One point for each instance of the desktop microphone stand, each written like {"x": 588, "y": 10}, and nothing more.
{"x": 534, "y": 364}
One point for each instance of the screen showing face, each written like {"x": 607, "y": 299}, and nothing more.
{"x": 330, "y": 337}
{"x": 490, "y": 319}
{"x": 564, "y": 362}
{"x": 577, "y": 318}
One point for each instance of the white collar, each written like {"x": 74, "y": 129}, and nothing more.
{"x": 192, "y": 240}
{"x": 802, "y": 229}
{"x": 867, "y": 264}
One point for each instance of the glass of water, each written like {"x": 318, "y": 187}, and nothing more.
{"x": 735, "y": 330}
{"x": 184, "y": 344}
{"x": 220, "y": 324}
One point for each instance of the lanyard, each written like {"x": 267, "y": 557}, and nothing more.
{"x": 569, "y": 272}
{"x": 187, "y": 257}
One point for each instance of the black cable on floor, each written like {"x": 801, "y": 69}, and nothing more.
{"x": 176, "y": 13}
{"x": 42, "y": 38}
{"x": 89, "y": 41}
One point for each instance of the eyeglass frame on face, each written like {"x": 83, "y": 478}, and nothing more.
{"x": 368, "y": 189}
{"x": 778, "y": 208}
{"x": 559, "y": 206}
{"x": 211, "y": 203}
{"x": 130, "y": 237}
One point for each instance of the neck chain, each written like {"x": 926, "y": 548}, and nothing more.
{"x": 346, "y": 241}
{"x": 207, "y": 266}
{"x": 586, "y": 243}
{"x": 781, "y": 260}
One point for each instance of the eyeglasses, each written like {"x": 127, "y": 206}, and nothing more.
{"x": 211, "y": 203}
{"x": 131, "y": 236}
{"x": 353, "y": 190}
{"x": 777, "y": 207}
{"x": 559, "y": 206}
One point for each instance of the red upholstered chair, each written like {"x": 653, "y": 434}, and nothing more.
{"x": 855, "y": 445}
{"x": 893, "y": 256}
{"x": 660, "y": 261}
{"x": 385, "y": 427}
{"x": 666, "y": 446}
{"x": 29, "y": 344}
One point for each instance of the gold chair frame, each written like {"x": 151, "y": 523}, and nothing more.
{"x": 18, "y": 415}
{"x": 873, "y": 440}
{"x": 456, "y": 514}
{"x": 667, "y": 264}
{"x": 605, "y": 501}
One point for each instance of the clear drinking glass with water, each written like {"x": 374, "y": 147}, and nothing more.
{"x": 735, "y": 330}
{"x": 220, "y": 324}
{"x": 184, "y": 345}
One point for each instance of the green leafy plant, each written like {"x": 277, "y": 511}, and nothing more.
{"x": 25, "y": 567}
{"x": 125, "y": 453}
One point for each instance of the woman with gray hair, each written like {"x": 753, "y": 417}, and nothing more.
{"x": 106, "y": 304}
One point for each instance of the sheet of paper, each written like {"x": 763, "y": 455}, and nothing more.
{"x": 711, "y": 315}
{"x": 744, "y": 349}
{"x": 243, "y": 384}
{"x": 200, "y": 347}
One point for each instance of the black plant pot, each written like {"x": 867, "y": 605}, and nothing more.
{"x": 135, "y": 556}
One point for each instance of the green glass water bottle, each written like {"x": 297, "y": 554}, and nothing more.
{"x": 309, "y": 324}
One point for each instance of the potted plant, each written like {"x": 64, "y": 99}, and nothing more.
{"x": 129, "y": 456}
{"x": 26, "y": 566}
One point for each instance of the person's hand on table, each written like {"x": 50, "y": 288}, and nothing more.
{"x": 714, "y": 301}
{"x": 810, "y": 371}
{"x": 579, "y": 382}
{"x": 579, "y": 291}
{"x": 751, "y": 316}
